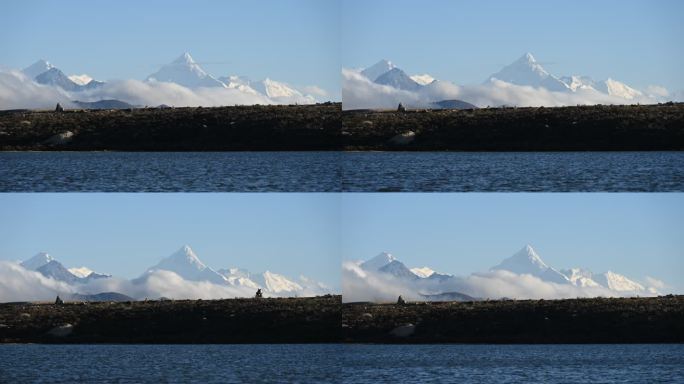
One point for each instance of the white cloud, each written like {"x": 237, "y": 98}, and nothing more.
{"x": 657, "y": 91}
{"x": 315, "y": 90}
{"x": 155, "y": 93}
{"x": 359, "y": 93}
{"x": 361, "y": 285}
{"x": 655, "y": 283}
{"x": 18, "y": 91}
{"x": 20, "y": 284}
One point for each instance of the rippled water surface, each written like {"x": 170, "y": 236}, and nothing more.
{"x": 293, "y": 363}
{"x": 339, "y": 363}
{"x": 342, "y": 171}
{"x": 514, "y": 363}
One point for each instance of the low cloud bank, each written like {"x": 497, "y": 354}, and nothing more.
{"x": 358, "y": 92}
{"x": 18, "y": 91}
{"x": 361, "y": 285}
{"x": 19, "y": 284}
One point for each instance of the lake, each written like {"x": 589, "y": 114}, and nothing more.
{"x": 515, "y": 363}
{"x": 339, "y": 363}
{"x": 341, "y": 171}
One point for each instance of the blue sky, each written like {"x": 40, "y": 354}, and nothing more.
{"x": 296, "y": 41}
{"x": 638, "y": 42}
{"x": 123, "y": 234}
{"x": 305, "y": 42}
{"x": 632, "y": 234}
{"x": 310, "y": 234}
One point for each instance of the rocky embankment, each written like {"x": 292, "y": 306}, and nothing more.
{"x": 272, "y": 127}
{"x": 327, "y": 127}
{"x": 327, "y": 320}
{"x": 277, "y": 320}
{"x": 597, "y": 320}
{"x": 581, "y": 128}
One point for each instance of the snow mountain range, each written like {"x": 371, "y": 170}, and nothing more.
{"x": 51, "y": 268}
{"x": 425, "y": 283}
{"x": 200, "y": 87}
{"x": 185, "y": 264}
{"x": 186, "y": 72}
{"x": 42, "y": 72}
{"x": 526, "y": 71}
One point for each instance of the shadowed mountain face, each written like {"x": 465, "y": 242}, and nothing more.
{"x": 54, "y": 269}
{"x": 378, "y": 69}
{"x": 397, "y": 78}
{"x": 57, "y": 78}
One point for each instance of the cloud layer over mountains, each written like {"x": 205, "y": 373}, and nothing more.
{"x": 180, "y": 83}
{"x": 179, "y": 276}
{"x": 522, "y": 83}
{"x": 521, "y": 276}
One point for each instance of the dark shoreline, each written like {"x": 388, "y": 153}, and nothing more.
{"x": 234, "y": 321}
{"x": 582, "y": 128}
{"x": 239, "y": 128}
{"x": 325, "y": 127}
{"x": 327, "y": 320}
{"x": 571, "y": 321}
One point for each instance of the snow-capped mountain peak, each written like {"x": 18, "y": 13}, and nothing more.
{"x": 398, "y": 79}
{"x": 398, "y": 269}
{"x": 618, "y": 282}
{"x": 528, "y": 254}
{"x": 378, "y": 261}
{"x": 37, "y": 261}
{"x": 423, "y": 272}
{"x": 527, "y": 261}
{"x": 527, "y": 71}
{"x": 54, "y": 269}
{"x": 81, "y": 272}
{"x": 80, "y": 79}
{"x": 580, "y": 277}
{"x": 529, "y": 58}
{"x": 185, "y": 58}
{"x": 274, "y": 282}
{"x": 187, "y": 265}
{"x": 575, "y": 82}
{"x": 275, "y": 89}
{"x": 378, "y": 69}
{"x": 185, "y": 253}
{"x": 423, "y": 79}
{"x": 186, "y": 72}
{"x": 54, "y": 76}
{"x": 617, "y": 88}
{"x": 35, "y": 69}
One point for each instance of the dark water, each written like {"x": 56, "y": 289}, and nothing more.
{"x": 337, "y": 363}
{"x": 341, "y": 171}
{"x": 514, "y": 363}
{"x": 169, "y": 363}
{"x": 514, "y": 171}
